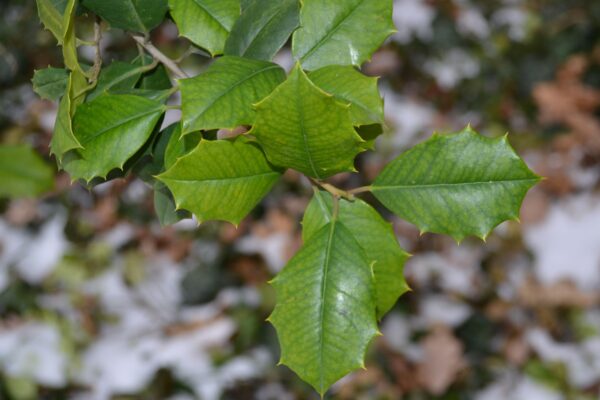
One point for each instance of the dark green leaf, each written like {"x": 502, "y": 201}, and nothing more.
{"x": 325, "y": 311}
{"x": 373, "y": 234}
{"x": 460, "y": 185}
{"x": 304, "y": 128}
{"x": 130, "y": 15}
{"x": 117, "y": 76}
{"x": 263, "y": 29}
{"x": 223, "y": 96}
{"x": 111, "y": 129}
{"x": 344, "y": 32}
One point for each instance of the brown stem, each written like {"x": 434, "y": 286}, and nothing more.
{"x": 159, "y": 56}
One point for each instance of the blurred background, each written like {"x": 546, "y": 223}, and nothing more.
{"x": 98, "y": 301}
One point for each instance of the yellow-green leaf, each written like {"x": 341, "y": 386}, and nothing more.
{"x": 23, "y": 173}
{"x": 206, "y": 23}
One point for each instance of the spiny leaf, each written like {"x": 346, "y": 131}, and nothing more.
{"x": 221, "y": 179}
{"x": 223, "y": 96}
{"x": 51, "y": 14}
{"x": 179, "y": 146}
{"x": 50, "y": 83}
{"x": 460, "y": 185}
{"x": 63, "y": 138}
{"x": 263, "y": 29}
{"x": 130, "y": 15}
{"x": 111, "y": 129}
{"x": 350, "y": 86}
{"x": 301, "y": 127}
{"x": 206, "y": 23}
{"x": 325, "y": 310}
{"x": 344, "y": 32}
{"x": 373, "y": 234}
{"x": 23, "y": 172}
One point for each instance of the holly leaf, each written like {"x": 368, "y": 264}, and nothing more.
{"x": 301, "y": 127}
{"x": 179, "y": 146}
{"x": 165, "y": 208}
{"x": 50, "y": 83}
{"x": 63, "y": 138}
{"x": 374, "y": 235}
{"x": 206, "y": 23}
{"x": 117, "y": 76}
{"x": 111, "y": 129}
{"x": 51, "y": 14}
{"x": 344, "y": 32}
{"x": 223, "y": 96}
{"x": 350, "y": 86}
{"x": 23, "y": 172}
{"x": 221, "y": 180}
{"x": 263, "y": 29}
{"x": 130, "y": 15}
{"x": 325, "y": 309}
{"x": 460, "y": 185}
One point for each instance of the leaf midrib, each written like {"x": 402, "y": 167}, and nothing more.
{"x": 323, "y": 290}
{"x": 138, "y": 20}
{"x": 235, "y": 178}
{"x": 331, "y": 32}
{"x": 211, "y": 14}
{"x": 231, "y": 89}
{"x": 122, "y": 122}
{"x": 442, "y": 185}
{"x": 262, "y": 28}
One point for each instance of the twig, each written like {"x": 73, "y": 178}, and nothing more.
{"x": 359, "y": 190}
{"x": 336, "y": 192}
{"x": 158, "y": 55}
{"x": 95, "y": 72}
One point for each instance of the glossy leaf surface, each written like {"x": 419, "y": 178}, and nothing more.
{"x": 460, "y": 185}
{"x": 374, "y": 235}
{"x": 350, "y": 86}
{"x": 111, "y": 129}
{"x": 130, "y": 15}
{"x": 221, "y": 179}
{"x": 206, "y": 23}
{"x": 223, "y": 96}
{"x": 344, "y": 32}
{"x": 325, "y": 310}
{"x": 263, "y": 29}
{"x": 301, "y": 127}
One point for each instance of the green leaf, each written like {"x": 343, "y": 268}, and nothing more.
{"x": 325, "y": 310}
{"x": 301, "y": 127}
{"x": 460, "y": 185}
{"x": 111, "y": 129}
{"x": 117, "y": 76}
{"x": 206, "y": 23}
{"x": 374, "y": 235}
{"x": 263, "y": 28}
{"x": 50, "y": 83}
{"x": 63, "y": 138}
{"x": 344, "y": 32}
{"x": 58, "y": 17}
{"x": 130, "y": 15}
{"x": 23, "y": 172}
{"x": 223, "y": 96}
{"x": 157, "y": 79}
{"x": 350, "y": 86}
{"x": 51, "y": 14}
{"x": 179, "y": 146}
{"x": 370, "y": 133}
{"x": 165, "y": 208}
{"x": 221, "y": 179}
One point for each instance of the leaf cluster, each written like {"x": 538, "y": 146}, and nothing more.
{"x": 314, "y": 120}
